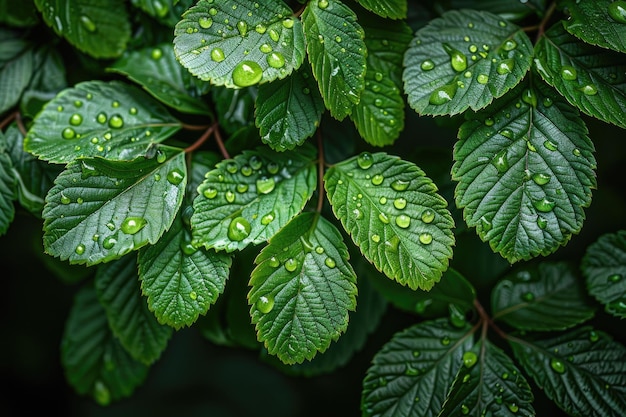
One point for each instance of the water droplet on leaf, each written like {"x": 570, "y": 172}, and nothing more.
{"x": 116, "y": 121}
{"x": 469, "y": 359}
{"x": 557, "y": 366}
{"x": 238, "y": 229}
{"x": 291, "y": 265}
{"x": 617, "y": 11}
{"x": 132, "y": 225}
{"x": 458, "y": 60}
{"x": 265, "y": 185}
{"x": 217, "y": 55}
{"x": 426, "y": 238}
{"x": 544, "y": 205}
{"x": 443, "y": 95}
{"x": 265, "y": 304}
{"x": 403, "y": 221}
{"x": 568, "y": 73}
{"x": 365, "y": 160}
{"x": 205, "y": 22}
{"x": 88, "y": 24}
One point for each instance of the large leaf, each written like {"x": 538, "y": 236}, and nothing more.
{"x": 548, "y": 297}
{"x": 583, "y": 371}
{"x": 99, "y": 210}
{"x": 246, "y": 200}
{"x": 525, "y": 168}
{"x": 604, "y": 268}
{"x": 464, "y": 59}
{"x": 113, "y": 120}
{"x": 394, "y": 215}
{"x": 253, "y": 42}
{"x": 599, "y": 22}
{"x": 302, "y": 289}
{"x": 590, "y": 78}
{"x": 337, "y": 54}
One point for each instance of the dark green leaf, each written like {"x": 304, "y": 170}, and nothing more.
{"x": 234, "y": 107}
{"x": 393, "y": 9}
{"x": 507, "y": 9}
{"x": 599, "y": 22}
{"x": 16, "y": 68}
{"x": 165, "y": 11}
{"x": 22, "y": 13}
{"x": 7, "y": 187}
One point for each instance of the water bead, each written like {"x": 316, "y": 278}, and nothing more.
{"x": 426, "y": 238}
{"x": 132, "y": 225}
{"x": 116, "y": 121}
{"x": 276, "y": 60}
{"x": 365, "y": 160}
{"x": 205, "y": 22}
{"x": 443, "y": 95}
{"x": 210, "y": 193}
{"x": 403, "y": 221}
{"x": 265, "y": 185}
{"x": 68, "y": 133}
{"x": 265, "y": 304}
{"x": 568, "y": 73}
{"x": 291, "y": 265}
{"x": 544, "y": 205}
{"x": 330, "y": 262}
{"x": 469, "y": 359}
{"x": 76, "y": 119}
{"x": 427, "y": 65}
{"x": 217, "y": 55}
{"x": 557, "y": 366}
{"x": 238, "y": 229}
{"x": 400, "y": 203}
{"x": 617, "y": 11}
{"x": 88, "y": 24}
{"x": 428, "y": 216}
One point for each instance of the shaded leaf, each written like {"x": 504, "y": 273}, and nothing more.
{"x": 393, "y": 9}
{"x": 599, "y": 22}
{"x": 8, "y": 184}
{"x": 165, "y": 11}
{"x": 16, "y": 68}
{"x": 21, "y": 14}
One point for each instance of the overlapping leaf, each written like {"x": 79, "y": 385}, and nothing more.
{"x": 99, "y": 210}
{"x": 525, "y": 168}
{"x": 113, "y": 120}
{"x": 599, "y": 22}
{"x": 16, "y": 68}
{"x": 302, "y": 289}
{"x": 7, "y": 187}
{"x": 393, "y": 9}
{"x": 394, "y": 215}
{"x": 166, "y": 11}
{"x": 464, "y": 59}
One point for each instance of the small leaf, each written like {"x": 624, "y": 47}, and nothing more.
{"x": 604, "y": 268}
{"x": 393, "y": 9}
{"x": 394, "y": 215}
{"x": 598, "y": 22}
{"x": 337, "y": 52}
{"x": 16, "y": 68}
{"x": 590, "y": 78}
{"x": 131, "y": 322}
{"x": 548, "y": 297}
{"x": 246, "y": 200}
{"x": 525, "y": 168}
{"x": 408, "y": 368}
{"x": 482, "y": 58}
{"x": 99, "y": 210}
{"x": 7, "y": 187}
{"x": 302, "y": 289}
{"x": 583, "y": 371}
{"x": 255, "y": 42}
{"x": 112, "y": 120}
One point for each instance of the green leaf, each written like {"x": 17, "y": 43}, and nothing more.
{"x": 408, "y": 368}
{"x": 604, "y": 269}
{"x": 234, "y": 107}
{"x": 7, "y": 187}
{"x": 393, "y": 9}
{"x": 337, "y": 52}
{"x": 590, "y": 78}
{"x": 488, "y": 383}
{"x": 94, "y": 361}
{"x": 99, "y": 210}
{"x": 255, "y": 42}
{"x": 394, "y": 215}
{"x": 525, "y": 168}
{"x": 598, "y": 22}
{"x": 583, "y": 371}
{"x": 507, "y": 9}
{"x": 16, "y": 68}
{"x": 131, "y": 322}
{"x": 302, "y": 289}
{"x": 100, "y": 28}
{"x": 159, "y": 73}
{"x": 289, "y": 111}
{"x": 547, "y": 297}
{"x": 464, "y": 59}
{"x": 166, "y": 11}
{"x": 181, "y": 281}
{"x": 112, "y": 120}
{"x": 246, "y": 200}
{"x": 21, "y": 14}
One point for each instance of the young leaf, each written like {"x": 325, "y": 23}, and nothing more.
{"x": 488, "y": 383}
{"x": 394, "y": 215}
{"x": 548, "y": 297}
{"x": 337, "y": 53}
{"x": 246, "y": 200}
{"x": 99, "y": 210}
{"x": 7, "y": 187}
{"x": 181, "y": 281}
{"x": 592, "y": 79}
{"x": 411, "y": 374}
{"x": 289, "y": 111}
{"x": 159, "y": 73}
{"x": 481, "y": 58}
{"x": 254, "y": 42}
{"x": 129, "y": 318}
{"x": 112, "y": 120}
{"x": 302, "y": 289}
{"x": 604, "y": 268}
{"x": 16, "y": 68}
{"x": 100, "y": 28}
{"x": 94, "y": 361}
{"x": 599, "y": 22}
{"x": 583, "y": 371}
{"x": 393, "y": 9}
{"x": 525, "y": 168}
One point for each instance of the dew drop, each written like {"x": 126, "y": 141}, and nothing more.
{"x": 485, "y": 224}
{"x": 400, "y": 203}
{"x": 377, "y": 179}
{"x": 273, "y": 262}
{"x": 276, "y": 60}
{"x": 241, "y": 188}
{"x": 242, "y": 27}
{"x": 529, "y": 97}
{"x": 161, "y": 156}
{"x": 267, "y": 219}
{"x": 109, "y": 242}
{"x": 265, "y": 185}
{"x": 557, "y": 366}
{"x": 205, "y": 22}
{"x": 544, "y": 205}
{"x": 382, "y": 200}
{"x": 210, "y": 193}
{"x": 330, "y": 262}
{"x": 175, "y": 176}
{"x": 288, "y": 23}
{"x": 445, "y": 340}
{"x": 68, "y": 133}
{"x": 255, "y": 162}
{"x": 393, "y": 243}
{"x": 217, "y": 55}
{"x": 568, "y": 73}
{"x": 509, "y": 45}
{"x": 428, "y": 216}
{"x": 291, "y": 264}
{"x": 156, "y": 54}
{"x": 542, "y": 222}
{"x": 514, "y": 408}
{"x": 528, "y": 297}
{"x": 427, "y": 65}
{"x": 265, "y": 304}
{"x": 540, "y": 178}
{"x": 383, "y": 218}
{"x": 76, "y": 119}
{"x": 443, "y": 95}
{"x": 589, "y": 90}
{"x": 101, "y": 393}
{"x": 617, "y": 306}
{"x": 458, "y": 60}
{"x": 238, "y": 229}
{"x": 500, "y": 161}
{"x": 132, "y": 225}
{"x": 593, "y": 336}
{"x": 426, "y": 238}
{"x": 229, "y": 196}
{"x": 116, "y": 121}
{"x": 469, "y": 359}
{"x": 505, "y": 67}
{"x": 403, "y": 221}
{"x": 322, "y": 4}
{"x": 187, "y": 248}
{"x": 400, "y": 185}
{"x": 375, "y": 238}
{"x": 617, "y": 11}
{"x": 80, "y": 249}
{"x": 274, "y": 35}
{"x": 576, "y": 152}
{"x": 272, "y": 167}
{"x": 464, "y": 409}
{"x": 613, "y": 278}
{"x": 550, "y": 145}
{"x": 65, "y": 199}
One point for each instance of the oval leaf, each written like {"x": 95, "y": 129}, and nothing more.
{"x": 598, "y": 22}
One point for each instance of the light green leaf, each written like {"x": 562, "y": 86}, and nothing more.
{"x": 159, "y": 73}
{"x": 112, "y": 120}
{"x": 100, "y": 28}
{"x": 599, "y": 22}
{"x": 393, "y": 9}
{"x": 406, "y": 370}
{"x": 289, "y": 111}
{"x": 590, "y": 78}
{"x": 94, "y": 361}
{"x": 131, "y": 322}
{"x": 337, "y": 52}
{"x": 394, "y": 215}
{"x": 302, "y": 289}
{"x": 548, "y": 297}
{"x": 583, "y": 371}
{"x": 525, "y": 168}
{"x": 181, "y": 281}
{"x": 7, "y": 187}
{"x": 99, "y": 210}
{"x": 464, "y": 59}
{"x": 488, "y": 383}
{"x": 254, "y": 42}
{"x": 604, "y": 269}
{"x": 246, "y": 200}
{"x": 16, "y": 68}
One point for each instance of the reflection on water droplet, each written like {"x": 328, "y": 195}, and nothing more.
{"x": 291, "y": 265}
{"x": 542, "y": 222}
{"x": 427, "y": 65}
{"x": 443, "y": 95}
{"x": 205, "y": 22}
{"x": 617, "y": 11}
{"x": 265, "y": 185}
{"x": 193, "y": 295}
{"x": 265, "y": 304}
{"x": 505, "y": 66}
{"x": 403, "y": 221}
{"x": 617, "y": 306}
{"x": 238, "y": 229}
{"x": 540, "y": 178}
{"x": 210, "y": 193}
{"x": 614, "y": 278}
{"x": 557, "y": 366}
{"x": 229, "y": 196}
{"x": 528, "y": 297}
{"x": 322, "y": 4}
{"x": 116, "y": 121}
{"x": 330, "y": 262}
{"x": 377, "y": 179}
{"x": 242, "y": 27}
{"x": 275, "y": 60}
{"x": 544, "y": 205}
{"x": 365, "y": 160}
{"x": 273, "y": 262}
{"x": 568, "y": 73}
{"x": 400, "y": 185}
{"x": 217, "y": 55}
{"x": 469, "y": 359}
{"x": 426, "y": 238}
{"x": 175, "y": 176}
{"x": 101, "y": 393}
{"x": 589, "y": 90}
{"x": 132, "y": 225}
{"x": 68, "y": 133}
{"x": 400, "y": 203}
{"x": 428, "y": 216}
{"x": 76, "y": 119}
{"x": 267, "y": 219}
{"x": 65, "y": 199}
{"x": 464, "y": 409}
{"x": 593, "y": 336}
{"x": 458, "y": 60}
{"x": 500, "y": 161}
{"x": 383, "y": 218}
{"x": 80, "y": 249}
